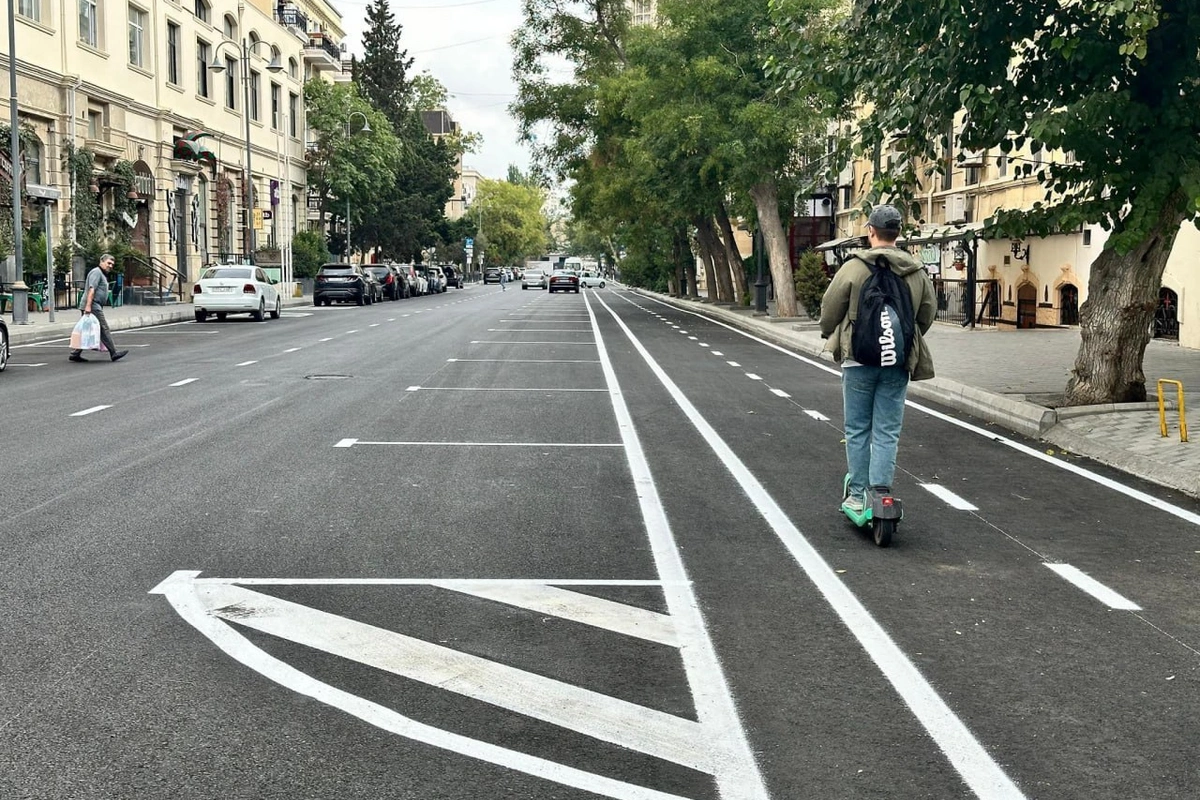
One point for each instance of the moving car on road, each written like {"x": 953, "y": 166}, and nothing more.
{"x": 234, "y": 289}
{"x": 3, "y": 345}
{"x": 453, "y": 276}
{"x": 344, "y": 283}
{"x": 491, "y": 275}
{"x": 563, "y": 280}
{"x": 591, "y": 280}
{"x": 535, "y": 278}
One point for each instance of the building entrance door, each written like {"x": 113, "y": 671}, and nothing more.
{"x": 1027, "y": 306}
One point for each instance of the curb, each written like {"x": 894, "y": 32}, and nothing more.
{"x": 1139, "y": 466}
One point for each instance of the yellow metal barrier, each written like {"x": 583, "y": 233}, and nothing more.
{"x": 1162, "y": 409}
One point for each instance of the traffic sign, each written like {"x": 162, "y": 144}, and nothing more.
{"x": 469, "y": 244}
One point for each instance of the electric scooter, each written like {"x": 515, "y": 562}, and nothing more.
{"x": 881, "y": 510}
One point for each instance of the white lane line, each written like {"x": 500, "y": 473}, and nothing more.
{"x": 391, "y": 319}
{"x": 694, "y": 338}
{"x": 357, "y": 442}
{"x": 703, "y": 344}
{"x": 39, "y": 364}
{"x": 780, "y": 392}
{"x": 353, "y": 331}
{"x": 413, "y": 389}
{"x": 346, "y": 443}
{"x": 948, "y": 497}
{"x": 739, "y": 778}
{"x": 1087, "y": 474}
{"x": 291, "y": 349}
{"x": 525, "y": 360}
{"x": 326, "y": 339}
{"x": 184, "y": 382}
{"x": 1094, "y": 587}
{"x": 966, "y": 753}
{"x": 458, "y": 584}
{"x": 373, "y": 325}
{"x": 753, "y": 377}
{"x": 245, "y": 363}
{"x": 91, "y": 410}
{"x": 733, "y": 363}
{"x": 817, "y": 415}
{"x": 538, "y": 330}
{"x": 582, "y": 344}
{"x": 718, "y": 353}
{"x": 496, "y": 389}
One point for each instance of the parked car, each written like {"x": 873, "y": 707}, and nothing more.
{"x": 235, "y": 289}
{"x": 374, "y": 287}
{"x": 389, "y": 277}
{"x": 453, "y": 276}
{"x": 343, "y": 283}
{"x": 412, "y": 281}
{"x": 491, "y": 275}
{"x": 591, "y": 280}
{"x": 535, "y": 278}
{"x": 562, "y": 280}
{"x": 3, "y": 346}
{"x": 433, "y": 276}
{"x": 442, "y": 281}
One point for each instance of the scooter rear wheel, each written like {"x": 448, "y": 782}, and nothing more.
{"x": 883, "y": 530}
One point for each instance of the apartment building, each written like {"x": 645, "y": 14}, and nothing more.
{"x": 123, "y": 79}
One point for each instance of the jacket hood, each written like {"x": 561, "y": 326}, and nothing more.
{"x": 901, "y": 261}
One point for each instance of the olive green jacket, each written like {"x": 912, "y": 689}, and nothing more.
{"x": 839, "y": 306}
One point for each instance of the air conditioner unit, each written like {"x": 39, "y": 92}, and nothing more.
{"x": 972, "y": 158}
{"x": 956, "y": 208}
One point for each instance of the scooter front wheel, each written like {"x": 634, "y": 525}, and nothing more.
{"x": 883, "y": 530}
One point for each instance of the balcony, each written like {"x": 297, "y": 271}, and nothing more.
{"x": 292, "y": 18}
{"x": 322, "y": 53}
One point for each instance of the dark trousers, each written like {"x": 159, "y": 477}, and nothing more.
{"x": 105, "y": 334}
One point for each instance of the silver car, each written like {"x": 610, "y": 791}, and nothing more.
{"x": 535, "y": 278}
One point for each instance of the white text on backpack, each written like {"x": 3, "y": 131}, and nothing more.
{"x": 887, "y": 341}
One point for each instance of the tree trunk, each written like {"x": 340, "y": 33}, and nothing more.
{"x": 1115, "y": 321}
{"x": 736, "y": 267}
{"x": 705, "y": 246}
{"x": 685, "y": 264}
{"x": 766, "y": 203}
{"x": 719, "y": 258}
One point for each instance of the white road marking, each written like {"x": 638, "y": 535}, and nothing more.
{"x": 346, "y": 443}
{"x": 694, "y": 338}
{"x": 950, "y": 498}
{"x": 179, "y": 591}
{"x": 373, "y": 325}
{"x": 245, "y": 363}
{"x": 753, "y": 377}
{"x": 817, "y": 415}
{"x": 1087, "y": 474}
{"x": 538, "y": 330}
{"x": 357, "y": 442}
{"x": 326, "y": 339}
{"x": 718, "y": 353}
{"x": 391, "y": 319}
{"x": 292, "y": 349}
{"x": 780, "y": 392}
{"x": 733, "y": 363}
{"x": 184, "y": 382}
{"x": 702, "y": 344}
{"x": 40, "y": 364}
{"x": 413, "y": 389}
{"x": 739, "y": 779}
{"x": 583, "y": 344}
{"x": 91, "y": 410}
{"x": 353, "y": 331}
{"x": 1094, "y": 587}
{"x": 498, "y": 389}
{"x": 966, "y": 753}
{"x": 526, "y": 360}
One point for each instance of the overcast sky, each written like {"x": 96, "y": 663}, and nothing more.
{"x": 465, "y": 45}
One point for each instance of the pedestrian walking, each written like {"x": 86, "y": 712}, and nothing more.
{"x": 95, "y": 295}
{"x": 504, "y": 280}
{"x": 873, "y": 395}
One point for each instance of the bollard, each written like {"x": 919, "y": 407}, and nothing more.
{"x": 1162, "y": 409}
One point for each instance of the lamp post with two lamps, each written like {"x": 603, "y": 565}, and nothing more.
{"x": 366, "y": 128}
{"x": 274, "y": 67}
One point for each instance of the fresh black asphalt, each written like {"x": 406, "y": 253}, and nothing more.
{"x": 105, "y": 692}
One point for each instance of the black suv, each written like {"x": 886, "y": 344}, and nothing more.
{"x": 341, "y": 282}
{"x": 389, "y": 277}
{"x": 491, "y": 275}
{"x": 453, "y": 276}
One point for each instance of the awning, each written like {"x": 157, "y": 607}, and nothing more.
{"x": 837, "y": 244}
{"x": 943, "y": 234}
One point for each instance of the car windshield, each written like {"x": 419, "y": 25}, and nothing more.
{"x": 228, "y": 272}
{"x": 378, "y": 272}
{"x": 337, "y": 271}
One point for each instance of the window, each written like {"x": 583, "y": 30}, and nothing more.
{"x": 293, "y": 69}
{"x": 172, "y": 53}
{"x": 254, "y": 93}
{"x": 137, "y": 36}
{"x": 972, "y": 175}
{"x": 95, "y": 119}
{"x": 275, "y": 118}
{"x": 1087, "y": 237}
{"x": 202, "y": 11}
{"x": 30, "y": 9}
{"x": 230, "y": 28}
{"x": 203, "y": 51}
{"x": 293, "y": 116}
{"x": 1001, "y": 166}
{"x": 31, "y": 161}
{"x": 89, "y": 23}
{"x": 230, "y": 83}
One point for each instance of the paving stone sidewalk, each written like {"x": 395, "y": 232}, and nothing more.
{"x": 1016, "y": 379}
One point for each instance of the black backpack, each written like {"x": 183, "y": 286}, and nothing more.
{"x": 882, "y": 334}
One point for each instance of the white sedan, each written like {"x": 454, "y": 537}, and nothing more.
{"x": 591, "y": 280}
{"x": 235, "y": 289}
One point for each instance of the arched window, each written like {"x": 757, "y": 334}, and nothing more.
{"x": 1166, "y": 316}
{"x": 295, "y": 220}
{"x": 1068, "y": 305}
{"x": 293, "y": 68}
{"x": 254, "y": 39}
{"x": 230, "y": 28}
{"x": 203, "y": 11}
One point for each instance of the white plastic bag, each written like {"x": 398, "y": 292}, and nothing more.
{"x": 86, "y": 335}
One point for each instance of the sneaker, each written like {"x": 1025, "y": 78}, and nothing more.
{"x": 77, "y": 358}
{"x": 117, "y": 356}
{"x": 853, "y": 503}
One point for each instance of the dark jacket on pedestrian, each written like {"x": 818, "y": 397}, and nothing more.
{"x": 839, "y": 306}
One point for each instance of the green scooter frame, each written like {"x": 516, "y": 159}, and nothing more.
{"x": 881, "y": 511}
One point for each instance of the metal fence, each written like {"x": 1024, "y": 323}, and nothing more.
{"x": 953, "y": 304}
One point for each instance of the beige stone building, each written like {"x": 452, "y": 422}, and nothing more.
{"x": 123, "y": 78}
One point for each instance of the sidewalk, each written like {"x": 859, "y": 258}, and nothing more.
{"x": 1016, "y": 378}
{"x": 40, "y": 328}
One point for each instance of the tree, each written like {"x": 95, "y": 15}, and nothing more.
{"x": 1117, "y": 84}
{"x": 309, "y": 252}
{"x": 381, "y": 76}
{"x": 512, "y": 220}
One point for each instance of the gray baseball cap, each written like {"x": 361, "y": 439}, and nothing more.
{"x": 884, "y": 218}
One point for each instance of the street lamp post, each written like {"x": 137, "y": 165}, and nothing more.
{"x": 19, "y": 289}
{"x": 366, "y": 128}
{"x": 274, "y": 67}
{"x": 760, "y": 285}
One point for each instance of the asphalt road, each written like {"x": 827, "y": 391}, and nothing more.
{"x": 495, "y": 544}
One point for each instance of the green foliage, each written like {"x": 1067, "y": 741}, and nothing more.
{"x": 513, "y": 223}
{"x": 33, "y": 253}
{"x": 381, "y": 76}
{"x": 309, "y": 252}
{"x": 811, "y": 282}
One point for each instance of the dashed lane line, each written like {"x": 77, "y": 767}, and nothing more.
{"x": 183, "y": 382}
{"x": 91, "y": 410}
{"x": 948, "y": 497}
{"x": 1095, "y": 588}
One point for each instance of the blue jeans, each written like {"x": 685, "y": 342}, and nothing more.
{"x": 873, "y": 403}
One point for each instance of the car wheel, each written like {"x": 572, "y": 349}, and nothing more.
{"x": 601, "y": 284}
{"x": 316, "y": 301}
{"x": 361, "y": 299}
{"x": 220, "y": 316}
{"x": 3, "y": 349}
{"x": 259, "y": 315}
{"x": 576, "y": 290}
{"x": 278, "y": 308}
{"x": 201, "y": 315}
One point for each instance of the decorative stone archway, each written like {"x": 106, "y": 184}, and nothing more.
{"x": 1027, "y": 306}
